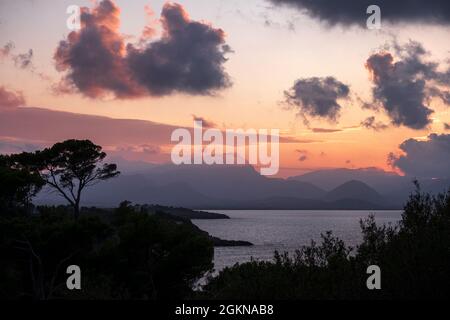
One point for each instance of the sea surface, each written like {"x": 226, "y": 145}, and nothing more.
{"x": 284, "y": 230}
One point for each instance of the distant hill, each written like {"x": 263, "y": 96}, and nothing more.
{"x": 241, "y": 187}
{"x": 394, "y": 188}
{"x": 329, "y": 179}
{"x": 196, "y": 187}
{"x": 354, "y": 190}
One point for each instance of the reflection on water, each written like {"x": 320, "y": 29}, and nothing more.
{"x": 284, "y": 230}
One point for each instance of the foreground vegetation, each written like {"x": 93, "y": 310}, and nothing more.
{"x": 414, "y": 258}
{"x": 133, "y": 254}
{"x": 130, "y": 255}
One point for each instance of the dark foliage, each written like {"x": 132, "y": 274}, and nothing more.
{"x": 18, "y": 185}
{"x": 414, "y": 258}
{"x": 134, "y": 256}
{"x": 68, "y": 168}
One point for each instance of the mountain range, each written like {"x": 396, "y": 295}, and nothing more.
{"x": 241, "y": 187}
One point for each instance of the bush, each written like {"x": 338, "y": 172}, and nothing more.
{"x": 414, "y": 258}
{"x": 126, "y": 255}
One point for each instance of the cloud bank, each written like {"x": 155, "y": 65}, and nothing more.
{"x": 424, "y": 159}
{"x": 188, "y": 58}
{"x": 351, "y": 12}
{"x": 10, "y": 99}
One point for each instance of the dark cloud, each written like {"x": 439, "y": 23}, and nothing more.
{"x": 21, "y": 60}
{"x": 447, "y": 126}
{"x": 424, "y": 159}
{"x": 325, "y": 130}
{"x": 95, "y": 57}
{"x": 205, "y": 123}
{"x": 317, "y": 97}
{"x": 24, "y": 60}
{"x": 303, "y": 155}
{"x": 10, "y": 99}
{"x": 188, "y": 58}
{"x": 351, "y": 12}
{"x": 371, "y": 123}
{"x": 403, "y": 87}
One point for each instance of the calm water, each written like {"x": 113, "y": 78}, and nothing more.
{"x": 284, "y": 230}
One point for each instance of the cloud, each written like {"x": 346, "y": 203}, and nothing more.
{"x": 287, "y": 139}
{"x": 22, "y": 61}
{"x": 404, "y": 87}
{"x": 371, "y": 123}
{"x": 6, "y": 50}
{"x": 424, "y": 159}
{"x": 143, "y": 149}
{"x": 205, "y": 123}
{"x": 188, "y": 58}
{"x": 317, "y": 97}
{"x": 10, "y": 99}
{"x": 446, "y": 126}
{"x": 150, "y": 30}
{"x": 303, "y": 155}
{"x": 325, "y": 130}
{"x": 8, "y": 146}
{"x": 94, "y": 57}
{"x": 48, "y": 126}
{"x": 351, "y": 12}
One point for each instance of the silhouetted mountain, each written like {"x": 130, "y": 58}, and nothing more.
{"x": 242, "y": 187}
{"x": 354, "y": 190}
{"x": 232, "y": 182}
{"x": 329, "y": 179}
{"x": 394, "y": 188}
{"x": 193, "y": 187}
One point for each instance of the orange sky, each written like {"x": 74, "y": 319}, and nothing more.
{"x": 266, "y": 60}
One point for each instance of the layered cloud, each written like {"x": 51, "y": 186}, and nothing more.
{"x": 188, "y": 58}
{"x": 372, "y": 123}
{"x": 403, "y": 87}
{"x": 325, "y": 130}
{"x": 48, "y": 126}
{"x": 424, "y": 159}
{"x": 317, "y": 97}
{"x": 351, "y": 12}
{"x": 10, "y": 99}
{"x": 26, "y": 128}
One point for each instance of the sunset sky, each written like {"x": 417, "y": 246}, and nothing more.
{"x": 239, "y": 65}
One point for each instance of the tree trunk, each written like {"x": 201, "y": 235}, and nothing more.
{"x": 76, "y": 210}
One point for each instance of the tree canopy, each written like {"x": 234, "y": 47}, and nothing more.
{"x": 68, "y": 168}
{"x": 18, "y": 185}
